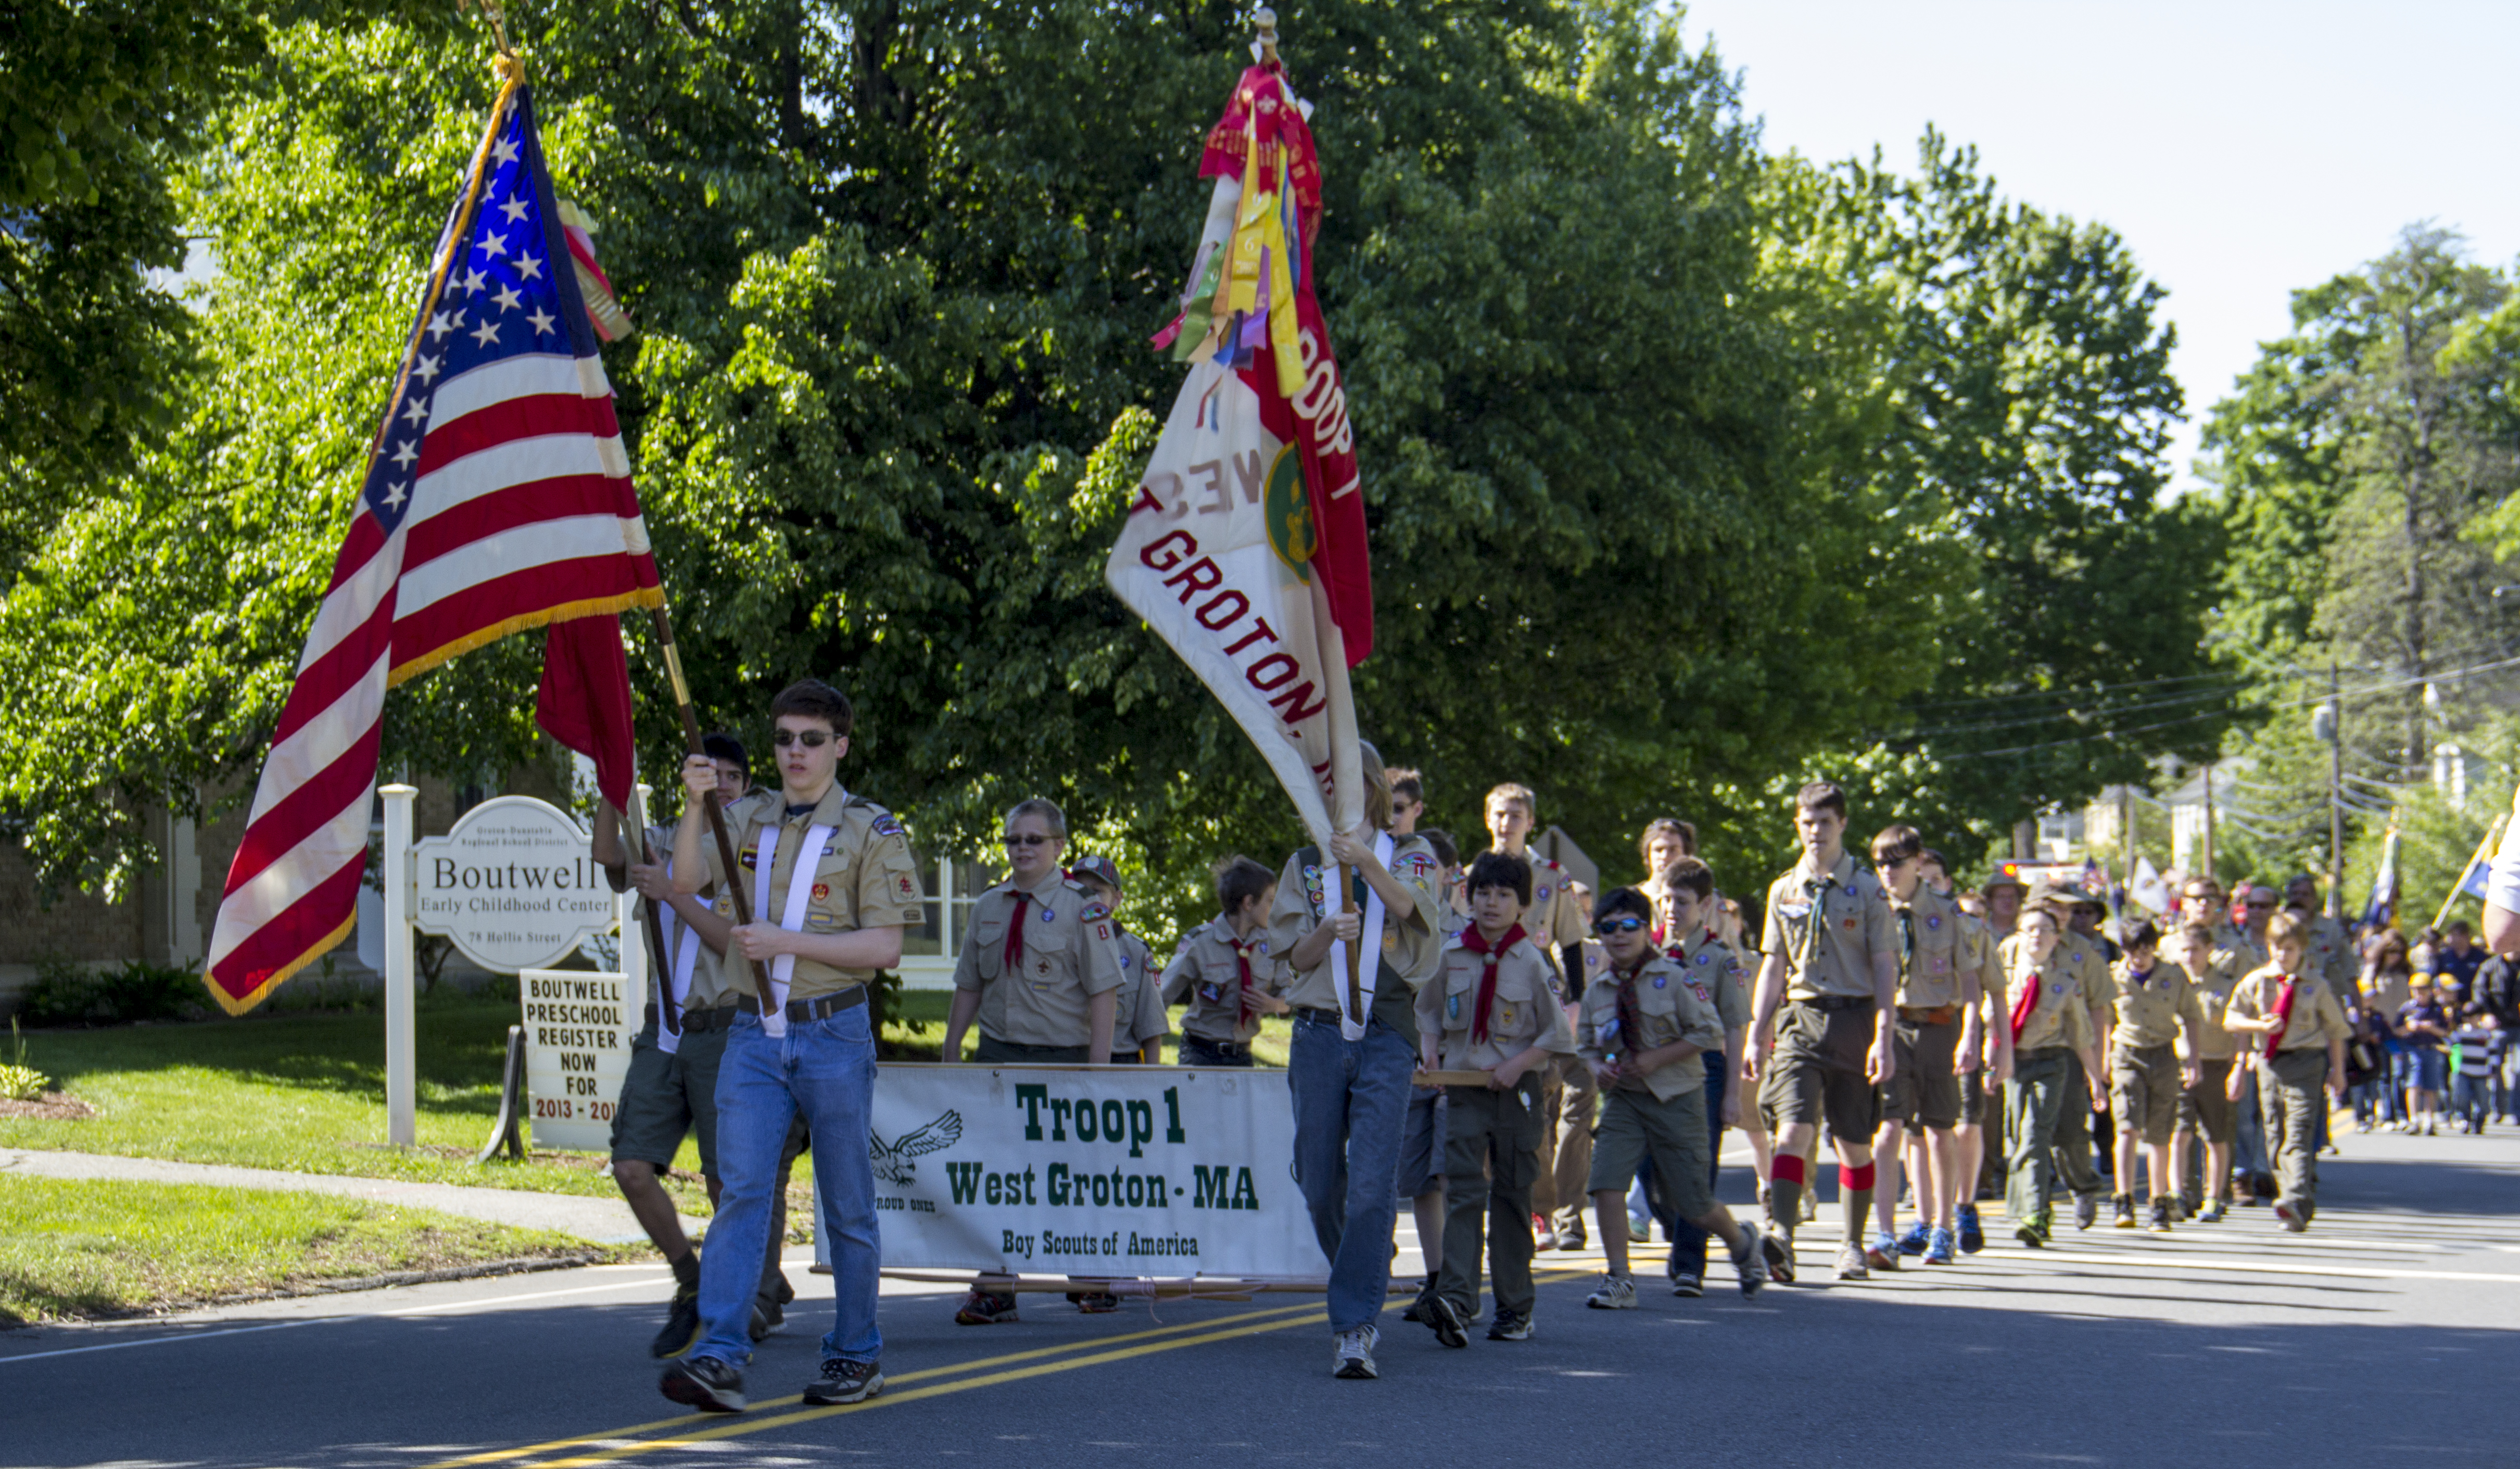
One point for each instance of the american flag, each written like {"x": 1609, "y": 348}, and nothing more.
{"x": 497, "y": 498}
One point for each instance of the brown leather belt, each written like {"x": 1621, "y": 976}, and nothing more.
{"x": 1940, "y": 1014}
{"x": 801, "y": 1010}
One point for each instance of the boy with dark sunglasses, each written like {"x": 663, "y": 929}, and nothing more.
{"x": 1645, "y": 1031}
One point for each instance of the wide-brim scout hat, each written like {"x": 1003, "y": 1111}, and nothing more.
{"x": 2000, "y": 880}
{"x": 1101, "y": 869}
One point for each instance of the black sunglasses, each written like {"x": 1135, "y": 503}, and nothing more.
{"x": 1618, "y": 925}
{"x": 1026, "y": 838}
{"x": 812, "y": 740}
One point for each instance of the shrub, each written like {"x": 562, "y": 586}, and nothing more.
{"x": 65, "y": 993}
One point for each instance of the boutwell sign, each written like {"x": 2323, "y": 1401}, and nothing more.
{"x": 514, "y": 885}
{"x": 1135, "y": 1171}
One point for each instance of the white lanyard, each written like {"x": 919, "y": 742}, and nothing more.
{"x": 800, "y": 891}
{"x": 1351, "y": 1026}
{"x": 678, "y": 985}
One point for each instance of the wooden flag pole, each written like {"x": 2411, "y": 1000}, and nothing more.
{"x": 635, "y": 822}
{"x": 2484, "y": 849}
{"x": 709, "y": 802}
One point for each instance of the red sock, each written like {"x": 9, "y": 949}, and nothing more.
{"x": 1785, "y": 1168}
{"x": 1853, "y": 1177}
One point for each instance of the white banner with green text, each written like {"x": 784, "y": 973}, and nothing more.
{"x": 1132, "y": 1172}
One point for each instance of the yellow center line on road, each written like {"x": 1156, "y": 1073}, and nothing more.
{"x": 608, "y": 1446}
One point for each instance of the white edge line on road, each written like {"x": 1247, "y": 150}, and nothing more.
{"x": 366, "y": 1316}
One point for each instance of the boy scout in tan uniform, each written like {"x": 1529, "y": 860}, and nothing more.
{"x": 2051, "y": 1025}
{"x": 1228, "y": 980}
{"x": 1936, "y": 1034}
{"x": 2088, "y": 965}
{"x": 1493, "y": 1005}
{"x": 2154, "y": 1016}
{"x": 2332, "y": 947}
{"x": 2205, "y": 1107}
{"x": 1555, "y": 921}
{"x": 1645, "y": 1030}
{"x": 2302, "y": 1056}
{"x": 1694, "y": 945}
{"x": 1822, "y": 1041}
{"x": 1137, "y": 1021}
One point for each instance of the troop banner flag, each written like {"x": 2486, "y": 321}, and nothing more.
{"x": 1244, "y": 548}
{"x": 497, "y": 497}
{"x": 1147, "y": 1171}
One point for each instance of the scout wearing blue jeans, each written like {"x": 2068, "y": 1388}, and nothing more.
{"x": 832, "y": 885}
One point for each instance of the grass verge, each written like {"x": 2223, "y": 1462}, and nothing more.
{"x": 82, "y": 1249}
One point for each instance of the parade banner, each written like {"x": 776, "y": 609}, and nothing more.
{"x": 1137, "y": 1171}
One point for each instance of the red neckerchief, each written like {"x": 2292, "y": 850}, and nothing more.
{"x": 2025, "y": 1003}
{"x": 1476, "y": 942}
{"x": 2282, "y": 1017}
{"x": 1014, "y": 933}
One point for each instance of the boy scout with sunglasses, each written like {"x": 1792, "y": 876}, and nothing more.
{"x": 1645, "y": 1031}
{"x": 1823, "y": 1042}
{"x": 1493, "y": 1005}
{"x": 1937, "y": 1041}
{"x": 832, "y": 884}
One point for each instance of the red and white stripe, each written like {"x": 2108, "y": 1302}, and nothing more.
{"x": 523, "y": 512}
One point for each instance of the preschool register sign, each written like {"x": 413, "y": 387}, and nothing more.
{"x": 1143, "y": 1172}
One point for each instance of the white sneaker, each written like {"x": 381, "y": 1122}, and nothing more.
{"x": 1353, "y": 1356}
{"x": 1640, "y": 1227}
{"x": 1617, "y": 1293}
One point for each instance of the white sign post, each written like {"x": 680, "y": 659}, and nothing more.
{"x": 402, "y": 1127}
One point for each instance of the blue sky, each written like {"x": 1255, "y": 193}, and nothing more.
{"x": 2243, "y": 150}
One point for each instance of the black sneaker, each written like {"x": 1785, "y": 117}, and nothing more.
{"x": 1445, "y": 1321}
{"x": 1416, "y": 1311}
{"x": 843, "y": 1381}
{"x": 1688, "y": 1282}
{"x": 704, "y": 1383}
{"x": 1510, "y": 1326}
{"x": 682, "y": 1329}
{"x": 1778, "y": 1247}
{"x": 767, "y": 1318}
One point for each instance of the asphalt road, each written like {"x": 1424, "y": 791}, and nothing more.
{"x": 2384, "y": 1336}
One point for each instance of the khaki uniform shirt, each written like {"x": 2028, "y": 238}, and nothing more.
{"x": 709, "y": 988}
{"x": 2063, "y": 1013}
{"x": 2332, "y": 956}
{"x": 1528, "y": 1007}
{"x": 1674, "y": 1001}
{"x": 1707, "y": 959}
{"x": 1070, "y": 953}
{"x": 1980, "y": 950}
{"x": 1204, "y": 976}
{"x": 1139, "y": 1015}
{"x": 1829, "y": 926}
{"x": 1936, "y": 957}
{"x": 1552, "y": 918}
{"x": 2211, "y": 995}
{"x": 1410, "y": 943}
{"x": 863, "y": 877}
{"x": 2149, "y": 1014}
{"x": 2317, "y": 1018}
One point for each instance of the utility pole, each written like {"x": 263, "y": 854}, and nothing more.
{"x": 2208, "y": 824}
{"x": 2335, "y": 795}
{"x": 2126, "y": 827}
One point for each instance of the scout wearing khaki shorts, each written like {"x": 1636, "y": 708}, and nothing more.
{"x": 2155, "y": 1018}
{"x": 1137, "y": 1022}
{"x": 1822, "y": 1036}
{"x": 2302, "y": 1056}
{"x": 2205, "y": 1107}
{"x": 1554, "y": 923}
{"x": 1937, "y": 1041}
{"x": 1492, "y": 1005}
{"x": 1645, "y": 1030}
{"x": 1225, "y": 972}
{"x": 1684, "y": 916}
{"x": 1040, "y": 970}
{"x": 2051, "y": 1030}
{"x": 1983, "y": 1147}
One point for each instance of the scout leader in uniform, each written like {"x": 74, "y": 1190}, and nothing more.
{"x": 1039, "y": 969}
{"x": 832, "y": 885}
{"x": 1685, "y": 919}
{"x": 1936, "y": 1041}
{"x": 2052, "y": 1029}
{"x": 1492, "y": 1007}
{"x": 1645, "y": 1030}
{"x": 1137, "y": 1022}
{"x": 2303, "y": 1053}
{"x": 2089, "y": 967}
{"x": 2155, "y": 1013}
{"x": 1555, "y": 921}
{"x": 1822, "y": 1043}
{"x": 671, "y": 1087}
{"x": 1347, "y": 1071}
{"x": 1225, "y": 972}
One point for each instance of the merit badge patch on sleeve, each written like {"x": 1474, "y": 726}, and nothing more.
{"x": 907, "y": 888}
{"x": 886, "y": 826}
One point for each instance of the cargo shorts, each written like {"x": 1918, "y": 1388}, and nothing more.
{"x": 1817, "y": 1071}
{"x": 667, "y": 1093}
{"x": 2144, "y": 1093}
{"x": 1925, "y": 1092}
{"x": 2204, "y": 1110}
{"x": 1633, "y": 1125}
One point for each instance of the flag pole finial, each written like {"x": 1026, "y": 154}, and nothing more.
{"x": 1264, "y": 50}
{"x": 496, "y": 14}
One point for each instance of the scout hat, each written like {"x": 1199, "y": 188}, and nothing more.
{"x": 1101, "y": 869}
{"x": 2000, "y": 879}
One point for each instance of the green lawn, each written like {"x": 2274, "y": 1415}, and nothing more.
{"x": 74, "y": 1249}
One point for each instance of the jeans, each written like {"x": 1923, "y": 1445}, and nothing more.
{"x": 1350, "y": 1098}
{"x": 2470, "y": 1099}
{"x": 2402, "y": 1068}
{"x": 2249, "y": 1149}
{"x": 824, "y": 1069}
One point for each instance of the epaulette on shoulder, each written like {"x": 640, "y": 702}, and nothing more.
{"x": 1072, "y": 884}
